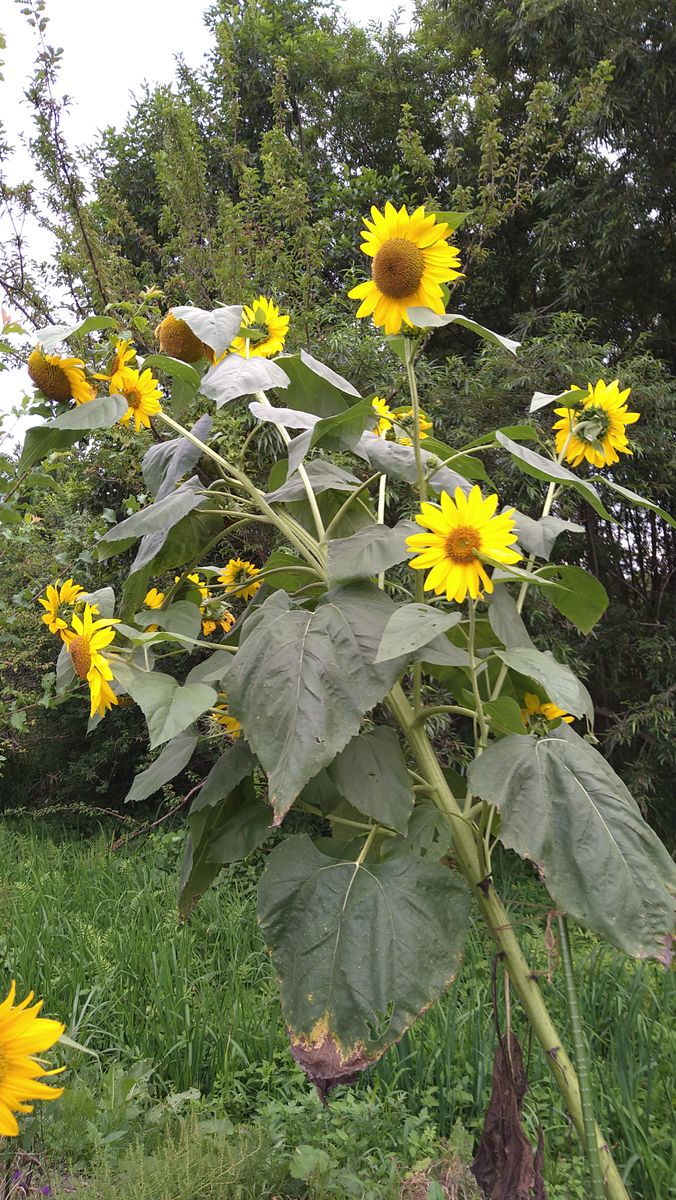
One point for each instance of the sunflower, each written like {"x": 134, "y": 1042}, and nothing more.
{"x": 154, "y": 599}
{"x": 403, "y": 422}
{"x": 222, "y": 714}
{"x": 211, "y": 621}
{"x": 142, "y": 393}
{"x": 177, "y": 339}
{"x": 266, "y": 330}
{"x": 384, "y": 413}
{"x": 59, "y": 378}
{"x": 124, "y": 354}
{"x": 460, "y": 530}
{"x": 58, "y": 597}
{"x": 85, "y": 641}
{"x": 23, "y": 1035}
{"x": 411, "y": 259}
{"x": 597, "y": 425}
{"x": 239, "y": 578}
{"x": 199, "y": 583}
{"x": 535, "y": 707}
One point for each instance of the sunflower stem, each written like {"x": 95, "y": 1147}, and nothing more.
{"x": 409, "y": 357}
{"x": 523, "y": 978}
{"x": 381, "y": 519}
{"x": 582, "y": 1064}
{"x": 309, "y": 490}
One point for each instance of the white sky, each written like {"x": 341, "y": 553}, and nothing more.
{"x": 132, "y": 41}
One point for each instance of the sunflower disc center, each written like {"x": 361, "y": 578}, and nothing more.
{"x": 81, "y": 655}
{"x": 398, "y": 268}
{"x": 461, "y": 544}
{"x": 133, "y": 398}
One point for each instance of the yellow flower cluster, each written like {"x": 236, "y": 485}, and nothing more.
{"x": 396, "y": 424}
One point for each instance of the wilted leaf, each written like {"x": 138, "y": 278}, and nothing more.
{"x": 361, "y": 951}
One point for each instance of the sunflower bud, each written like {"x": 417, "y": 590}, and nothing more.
{"x": 177, "y": 339}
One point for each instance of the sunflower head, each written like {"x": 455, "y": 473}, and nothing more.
{"x": 384, "y": 414}
{"x": 459, "y": 531}
{"x": 404, "y": 425}
{"x": 58, "y": 603}
{"x": 594, "y": 430}
{"x": 142, "y": 393}
{"x": 412, "y": 258}
{"x": 225, "y": 718}
{"x": 24, "y": 1034}
{"x": 85, "y": 641}
{"x": 153, "y": 599}
{"x": 124, "y": 355}
{"x": 59, "y": 378}
{"x": 536, "y": 713}
{"x": 177, "y": 339}
{"x": 239, "y": 578}
{"x": 263, "y": 330}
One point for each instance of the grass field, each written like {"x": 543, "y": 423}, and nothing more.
{"x": 193, "y": 1094}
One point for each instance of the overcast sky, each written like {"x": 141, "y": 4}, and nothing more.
{"x": 132, "y": 41}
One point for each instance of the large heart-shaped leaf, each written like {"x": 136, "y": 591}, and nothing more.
{"x": 559, "y": 682}
{"x": 539, "y": 467}
{"x": 324, "y": 477}
{"x": 167, "y": 707}
{"x": 399, "y": 461}
{"x": 361, "y": 950}
{"x": 64, "y": 431}
{"x": 563, "y": 806}
{"x": 585, "y": 599}
{"x": 158, "y": 517}
{"x": 51, "y": 335}
{"x": 301, "y": 682}
{"x": 424, "y": 318}
{"x": 369, "y": 551}
{"x": 538, "y": 537}
{"x": 165, "y": 463}
{"x": 413, "y": 626}
{"x": 237, "y": 376}
{"x": 371, "y": 774}
{"x": 309, "y": 391}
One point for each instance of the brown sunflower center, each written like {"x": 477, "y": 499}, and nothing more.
{"x": 398, "y": 268}
{"x": 461, "y": 544}
{"x": 133, "y": 397}
{"x": 49, "y": 378}
{"x": 81, "y": 654}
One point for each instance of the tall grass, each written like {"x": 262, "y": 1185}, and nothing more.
{"x": 98, "y": 936}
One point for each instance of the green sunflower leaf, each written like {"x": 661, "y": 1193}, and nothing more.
{"x": 539, "y": 467}
{"x": 167, "y": 707}
{"x": 424, "y": 318}
{"x": 559, "y": 682}
{"x": 371, "y": 774}
{"x": 369, "y": 551}
{"x": 412, "y": 627}
{"x": 173, "y": 758}
{"x": 585, "y": 600}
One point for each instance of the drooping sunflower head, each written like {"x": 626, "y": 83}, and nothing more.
{"x": 59, "y": 378}
{"x": 58, "y": 603}
{"x": 534, "y": 709}
{"x": 23, "y": 1035}
{"x": 85, "y": 641}
{"x": 239, "y": 578}
{"x": 216, "y": 615}
{"x": 384, "y": 413}
{"x": 142, "y": 393}
{"x": 595, "y": 429}
{"x": 411, "y": 259}
{"x": 459, "y": 531}
{"x": 177, "y": 339}
{"x": 265, "y": 330}
{"x": 224, "y": 717}
{"x": 404, "y": 425}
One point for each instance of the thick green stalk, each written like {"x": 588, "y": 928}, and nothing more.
{"x": 409, "y": 352}
{"x": 582, "y": 1063}
{"x": 309, "y": 491}
{"x": 495, "y": 915}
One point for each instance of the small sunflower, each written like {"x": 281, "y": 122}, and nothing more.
{"x": 58, "y": 596}
{"x": 194, "y": 578}
{"x": 535, "y": 707}
{"x": 224, "y": 717}
{"x": 125, "y": 353}
{"x": 411, "y": 259}
{"x": 239, "y": 578}
{"x": 59, "y": 378}
{"x": 403, "y": 426}
{"x": 461, "y": 529}
{"x": 177, "y": 339}
{"x": 598, "y": 426}
{"x": 266, "y": 330}
{"x": 384, "y": 413}
{"x": 211, "y": 620}
{"x": 153, "y": 599}
{"x": 85, "y": 641}
{"x": 23, "y": 1035}
{"x": 142, "y": 393}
